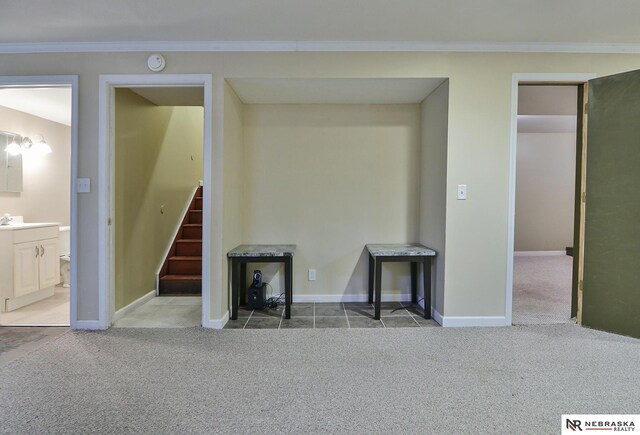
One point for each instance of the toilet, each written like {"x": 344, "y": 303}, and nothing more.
{"x": 64, "y": 250}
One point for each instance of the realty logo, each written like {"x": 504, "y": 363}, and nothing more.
{"x": 574, "y": 424}
{"x": 600, "y": 422}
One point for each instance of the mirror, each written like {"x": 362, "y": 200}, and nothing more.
{"x": 10, "y": 166}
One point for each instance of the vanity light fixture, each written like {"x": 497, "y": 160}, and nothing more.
{"x": 14, "y": 148}
{"x": 23, "y": 145}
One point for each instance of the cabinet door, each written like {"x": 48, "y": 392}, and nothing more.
{"x": 25, "y": 268}
{"x": 49, "y": 263}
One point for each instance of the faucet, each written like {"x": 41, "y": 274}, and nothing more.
{"x": 4, "y": 220}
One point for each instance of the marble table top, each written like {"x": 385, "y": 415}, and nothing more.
{"x": 400, "y": 250}
{"x": 262, "y": 251}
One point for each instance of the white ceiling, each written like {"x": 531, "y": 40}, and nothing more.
{"x": 53, "y": 104}
{"x": 334, "y": 91}
{"x": 498, "y": 21}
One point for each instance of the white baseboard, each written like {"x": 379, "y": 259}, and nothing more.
{"x": 471, "y": 321}
{"x": 88, "y": 324}
{"x": 133, "y": 305}
{"x": 404, "y": 297}
{"x": 216, "y": 323}
{"x": 538, "y": 253}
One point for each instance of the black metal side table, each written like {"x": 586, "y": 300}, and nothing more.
{"x": 243, "y": 254}
{"x": 413, "y": 253}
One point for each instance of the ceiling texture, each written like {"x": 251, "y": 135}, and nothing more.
{"x": 505, "y": 25}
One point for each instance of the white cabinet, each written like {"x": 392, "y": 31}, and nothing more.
{"x": 26, "y": 278}
{"x": 32, "y": 272}
{"x": 36, "y": 266}
{"x": 48, "y": 263}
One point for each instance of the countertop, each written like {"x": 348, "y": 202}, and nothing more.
{"x": 24, "y": 226}
{"x": 262, "y": 251}
{"x": 400, "y": 250}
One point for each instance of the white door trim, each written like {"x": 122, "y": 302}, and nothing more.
{"x": 72, "y": 81}
{"x": 108, "y": 83}
{"x": 517, "y": 78}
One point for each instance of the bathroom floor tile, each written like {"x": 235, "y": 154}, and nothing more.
{"x": 52, "y": 311}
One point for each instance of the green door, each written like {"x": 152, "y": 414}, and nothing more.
{"x": 611, "y": 280}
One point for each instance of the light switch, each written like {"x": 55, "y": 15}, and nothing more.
{"x": 462, "y": 191}
{"x": 312, "y": 274}
{"x": 83, "y": 185}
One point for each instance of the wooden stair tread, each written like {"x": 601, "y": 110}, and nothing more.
{"x": 181, "y": 278}
{"x": 189, "y": 241}
{"x": 192, "y": 225}
{"x": 185, "y": 257}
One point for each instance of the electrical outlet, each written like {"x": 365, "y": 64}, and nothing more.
{"x": 312, "y": 274}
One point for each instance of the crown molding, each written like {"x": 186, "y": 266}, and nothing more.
{"x": 315, "y": 46}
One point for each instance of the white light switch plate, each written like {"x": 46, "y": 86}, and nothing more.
{"x": 462, "y": 191}
{"x": 83, "y": 185}
{"x": 312, "y": 274}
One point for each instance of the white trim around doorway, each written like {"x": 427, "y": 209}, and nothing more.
{"x": 517, "y": 78}
{"x": 72, "y": 82}
{"x": 108, "y": 83}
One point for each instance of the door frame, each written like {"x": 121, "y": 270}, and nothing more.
{"x": 516, "y": 80}
{"x": 72, "y": 82}
{"x": 106, "y": 179}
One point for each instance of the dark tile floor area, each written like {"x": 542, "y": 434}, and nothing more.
{"x": 16, "y": 341}
{"x": 332, "y": 315}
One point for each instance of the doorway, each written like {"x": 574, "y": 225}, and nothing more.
{"x": 135, "y": 198}
{"x": 546, "y": 218}
{"x": 38, "y": 200}
{"x": 545, "y": 198}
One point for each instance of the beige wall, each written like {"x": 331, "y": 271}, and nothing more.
{"x": 234, "y": 177}
{"x": 433, "y": 192}
{"x": 46, "y": 180}
{"x": 331, "y": 178}
{"x": 478, "y": 145}
{"x": 545, "y": 190}
{"x": 158, "y": 162}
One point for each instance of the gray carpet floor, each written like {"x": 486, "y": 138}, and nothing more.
{"x": 411, "y": 380}
{"x": 542, "y": 290}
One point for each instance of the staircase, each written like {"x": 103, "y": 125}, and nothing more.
{"x": 181, "y": 273}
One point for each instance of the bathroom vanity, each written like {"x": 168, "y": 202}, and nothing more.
{"x": 29, "y": 264}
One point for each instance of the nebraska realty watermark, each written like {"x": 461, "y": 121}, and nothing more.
{"x": 600, "y": 422}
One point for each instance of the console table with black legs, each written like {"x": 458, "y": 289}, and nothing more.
{"x": 413, "y": 253}
{"x": 243, "y": 254}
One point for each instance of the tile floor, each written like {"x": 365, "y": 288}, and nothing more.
{"x": 164, "y": 312}
{"x": 53, "y": 311}
{"x": 332, "y": 315}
